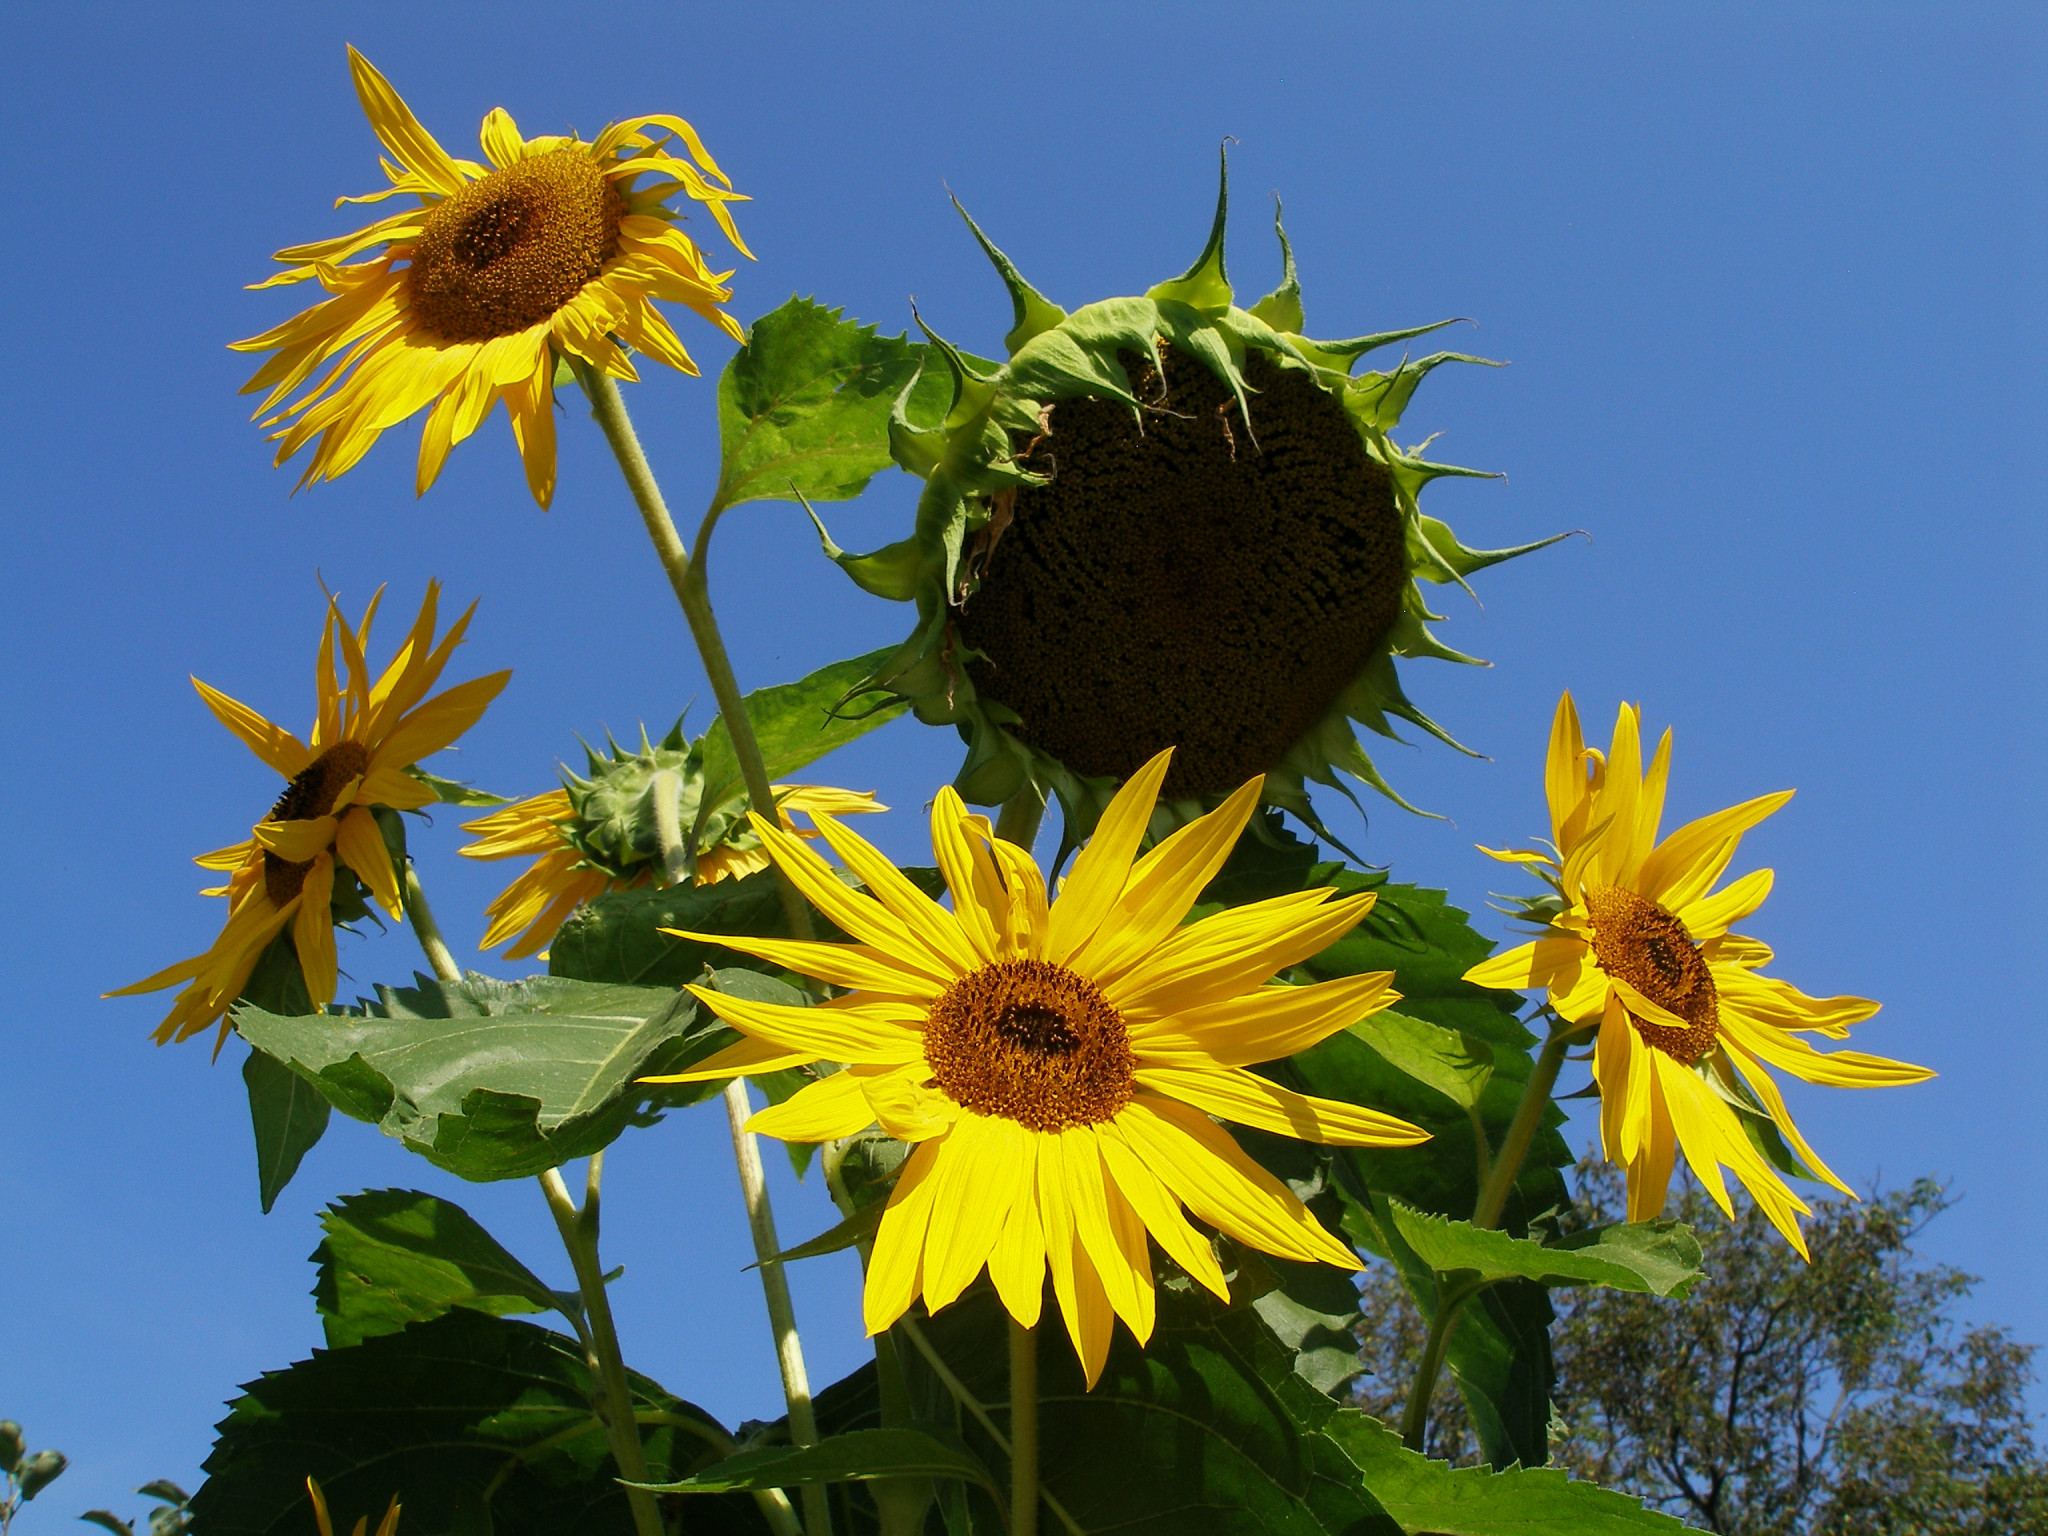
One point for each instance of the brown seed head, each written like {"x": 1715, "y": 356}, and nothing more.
{"x": 1032, "y": 1042}
{"x": 508, "y": 251}
{"x": 311, "y": 794}
{"x": 1648, "y": 948}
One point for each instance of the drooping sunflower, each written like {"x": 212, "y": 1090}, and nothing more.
{"x": 1167, "y": 521}
{"x": 600, "y": 833}
{"x": 1639, "y": 942}
{"x": 1055, "y": 1064}
{"x": 363, "y": 745}
{"x": 501, "y": 272}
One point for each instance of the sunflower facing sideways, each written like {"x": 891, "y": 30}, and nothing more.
{"x": 1638, "y": 941}
{"x": 359, "y": 755}
{"x": 499, "y": 274}
{"x": 1055, "y": 1064}
{"x": 1166, "y": 520}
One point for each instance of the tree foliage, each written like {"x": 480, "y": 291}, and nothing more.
{"x": 1844, "y": 1398}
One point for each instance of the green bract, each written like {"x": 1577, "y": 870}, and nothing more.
{"x": 1166, "y": 521}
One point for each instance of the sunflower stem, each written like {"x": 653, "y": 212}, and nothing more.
{"x": 1023, "y": 1428}
{"x": 1507, "y": 1163}
{"x": 601, "y": 1352}
{"x": 1019, "y": 819}
{"x": 413, "y": 898}
{"x": 1498, "y": 1184}
{"x": 665, "y": 789}
{"x": 789, "y": 1350}
{"x": 686, "y": 578}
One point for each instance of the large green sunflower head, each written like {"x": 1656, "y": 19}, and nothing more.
{"x": 1167, "y": 521}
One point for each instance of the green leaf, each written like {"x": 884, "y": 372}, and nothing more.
{"x": 804, "y": 406}
{"x": 450, "y": 792}
{"x": 479, "y": 1422}
{"x": 617, "y": 937}
{"x": 1209, "y": 1428}
{"x": 858, "y": 1227}
{"x": 1661, "y": 1258}
{"x": 490, "y": 1079}
{"x": 289, "y": 1117}
{"x": 1426, "y": 1495}
{"x": 395, "y": 1256}
{"x": 1456, "y": 1066}
{"x": 796, "y": 724}
{"x": 860, "y": 1456}
{"x": 108, "y": 1520}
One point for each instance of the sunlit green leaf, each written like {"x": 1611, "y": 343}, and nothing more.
{"x": 490, "y": 1079}
{"x": 396, "y": 1256}
{"x": 1659, "y": 1257}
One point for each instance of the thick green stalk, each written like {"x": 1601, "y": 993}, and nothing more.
{"x": 686, "y": 578}
{"x": 1415, "y": 1418}
{"x": 1023, "y": 1430}
{"x": 789, "y": 1349}
{"x": 601, "y": 1352}
{"x": 414, "y": 899}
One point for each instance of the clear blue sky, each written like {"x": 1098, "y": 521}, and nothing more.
{"x": 1770, "y": 280}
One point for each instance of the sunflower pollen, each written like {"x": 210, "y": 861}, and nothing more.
{"x": 1032, "y": 1042}
{"x": 510, "y": 250}
{"x": 1648, "y": 947}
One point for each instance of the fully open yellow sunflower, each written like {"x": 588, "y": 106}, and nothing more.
{"x": 476, "y": 293}
{"x": 568, "y": 870}
{"x": 1638, "y": 942}
{"x": 1056, "y": 1064}
{"x": 365, "y": 740}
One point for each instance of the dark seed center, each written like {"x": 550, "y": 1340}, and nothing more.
{"x": 310, "y": 795}
{"x": 1184, "y": 585}
{"x": 1648, "y": 947}
{"x": 1032, "y": 1042}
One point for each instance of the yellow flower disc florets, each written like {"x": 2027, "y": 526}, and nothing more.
{"x": 1031, "y": 1042}
{"x": 1639, "y": 942}
{"x": 1187, "y": 580}
{"x": 310, "y": 794}
{"x": 506, "y": 252}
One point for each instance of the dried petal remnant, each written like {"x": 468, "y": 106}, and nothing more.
{"x": 1192, "y": 582}
{"x": 506, "y": 252}
{"x": 1032, "y": 1042}
{"x": 1647, "y": 947}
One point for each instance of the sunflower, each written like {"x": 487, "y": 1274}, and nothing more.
{"x": 1167, "y": 521}
{"x": 360, "y": 754}
{"x": 1055, "y": 1064}
{"x": 1638, "y": 941}
{"x": 573, "y": 864}
{"x": 496, "y": 276}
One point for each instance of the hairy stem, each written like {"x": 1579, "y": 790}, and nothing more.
{"x": 665, "y": 789}
{"x": 615, "y": 1398}
{"x": 1023, "y": 1430}
{"x": 1415, "y": 1418}
{"x": 686, "y": 578}
{"x": 425, "y": 929}
{"x": 789, "y": 1350}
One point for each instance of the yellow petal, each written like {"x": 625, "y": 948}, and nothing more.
{"x": 979, "y": 899}
{"x": 1207, "y": 1172}
{"x": 986, "y": 1172}
{"x": 1227, "y": 954}
{"x": 820, "y": 1111}
{"x": 296, "y": 841}
{"x": 1649, "y": 1176}
{"x": 1528, "y": 966}
{"x": 1232, "y": 1093}
{"x": 499, "y": 139}
{"x": 895, "y": 1266}
{"x": 1840, "y": 1069}
{"x": 1157, "y": 1208}
{"x": 1162, "y": 887}
{"x": 1782, "y": 1005}
{"x": 1564, "y": 768}
{"x": 862, "y": 916}
{"x": 362, "y": 849}
{"x": 844, "y": 965}
{"x": 1615, "y": 862}
{"x": 1687, "y": 863}
{"x": 1129, "y": 1289}
{"x": 393, "y": 122}
{"x": 1103, "y": 866}
{"x": 1711, "y": 916}
{"x": 1765, "y": 1087}
{"x": 741, "y": 1058}
{"x": 313, "y": 932}
{"x": 1265, "y": 1025}
{"x": 928, "y": 923}
{"x": 1613, "y": 1064}
{"x": 1017, "y": 1264}
{"x": 879, "y": 1034}
{"x": 278, "y": 747}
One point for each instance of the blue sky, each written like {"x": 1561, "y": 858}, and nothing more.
{"x": 1770, "y": 283}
